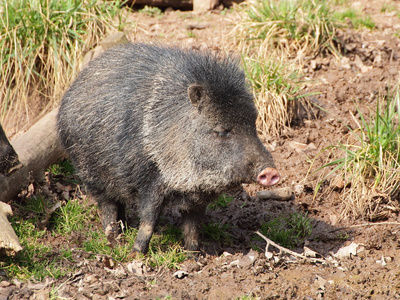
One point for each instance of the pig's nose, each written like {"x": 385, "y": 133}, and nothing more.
{"x": 268, "y": 177}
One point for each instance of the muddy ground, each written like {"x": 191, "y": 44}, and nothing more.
{"x": 233, "y": 271}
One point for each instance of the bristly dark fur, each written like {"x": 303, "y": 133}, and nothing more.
{"x": 134, "y": 134}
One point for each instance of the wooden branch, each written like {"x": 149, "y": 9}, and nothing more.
{"x": 286, "y": 250}
{"x": 9, "y": 244}
{"x": 37, "y": 149}
{"x": 365, "y": 225}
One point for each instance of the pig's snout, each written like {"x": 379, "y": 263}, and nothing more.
{"x": 268, "y": 177}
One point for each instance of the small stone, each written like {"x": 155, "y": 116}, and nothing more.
{"x": 180, "y": 274}
{"x": 282, "y": 194}
{"x": 248, "y": 259}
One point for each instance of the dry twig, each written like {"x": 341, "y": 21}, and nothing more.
{"x": 283, "y": 249}
{"x": 363, "y": 225}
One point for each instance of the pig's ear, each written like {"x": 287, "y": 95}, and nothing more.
{"x": 196, "y": 93}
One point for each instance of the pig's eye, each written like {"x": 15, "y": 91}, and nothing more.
{"x": 224, "y": 133}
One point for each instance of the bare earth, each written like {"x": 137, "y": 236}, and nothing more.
{"x": 371, "y": 64}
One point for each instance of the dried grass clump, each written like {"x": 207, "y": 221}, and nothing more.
{"x": 41, "y": 43}
{"x": 276, "y": 38}
{"x": 368, "y": 166}
{"x": 296, "y": 29}
{"x": 276, "y": 87}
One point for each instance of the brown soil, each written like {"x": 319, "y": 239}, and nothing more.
{"x": 370, "y": 65}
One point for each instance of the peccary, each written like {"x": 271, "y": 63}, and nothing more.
{"x": 153, "y": 124}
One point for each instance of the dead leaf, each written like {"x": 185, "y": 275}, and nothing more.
{"x": 112, "y": 234}
{"x": 136, "y": 267}
{"x": 382, "y": 261}
{"x": 347, "y": 251}
{"x": 359, "y": 63}
{"x": 268, "y": 255}
{"x": 248, "y": 259}
{"x": 107, "y": 261}
{"x": 310, "y": 253}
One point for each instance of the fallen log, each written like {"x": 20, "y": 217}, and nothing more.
{"x": 37, "y": 149}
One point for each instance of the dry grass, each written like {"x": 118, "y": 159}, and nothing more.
{"x": 41, "y": 44}
{"x": 296, "y": 29}
{"x": 367, "y": 166}
{"x": 276, "y": 86}
{"x": 276, "y": 38}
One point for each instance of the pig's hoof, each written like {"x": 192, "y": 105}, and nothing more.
{"x": 135, "y": 254}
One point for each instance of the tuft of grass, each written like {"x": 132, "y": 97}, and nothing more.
{"x": 357, "y": 20}
{"x": 277, "y": 89}
{"x": 369, "y": 163}
{"x": 169, "y": 258}
{"x": 63, "y": 167}
{"x": 41, "y": 44}
{"x": 165, "y": 249}
{"x": 190, "y": 34}
{"x": 386, "y": 7}
{"x": 288, "y": 231}
{"x": 221, "y": 202}
{"x": 36, "y": 260}
{"x": 96, "y": 243}
{"x": 151, "y": 11}
{"x": 251, "y": 296}
{"x": 73, "y": 216}
{"x": 276, "y": 38}
{"x": 294, "y": 27}
{"x": 218, "y": 232}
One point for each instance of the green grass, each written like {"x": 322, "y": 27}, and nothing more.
{"x": 356, "y": 18}
{"x": 169, "y": 258}
{"x": 288, "y": 231}
{"x": 76, "y": 227}
{"x": 369, "y": 163}
{"x": 217, "y": 232}
{"x": 221, "y": 202}
{"x": 74, "y": 216}
{"x": 166, "y": 250}
{"x": 41, "y": 45}
{"x": 386, "y": 7}
{"x": 36, "y": 260}
{"x": 276, "y": 38}
{"x": 151, "y": 11}
{"x": 248, "y": 297}
{"x": 190, "y": 34}
{"x": 277, "y": 87}
{"x": 63, "y": 167}
{"x": 294, "y": 27}
{"x": 339, "y": 2}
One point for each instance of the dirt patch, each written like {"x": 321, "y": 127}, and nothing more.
{"x": 370, "y": 65}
